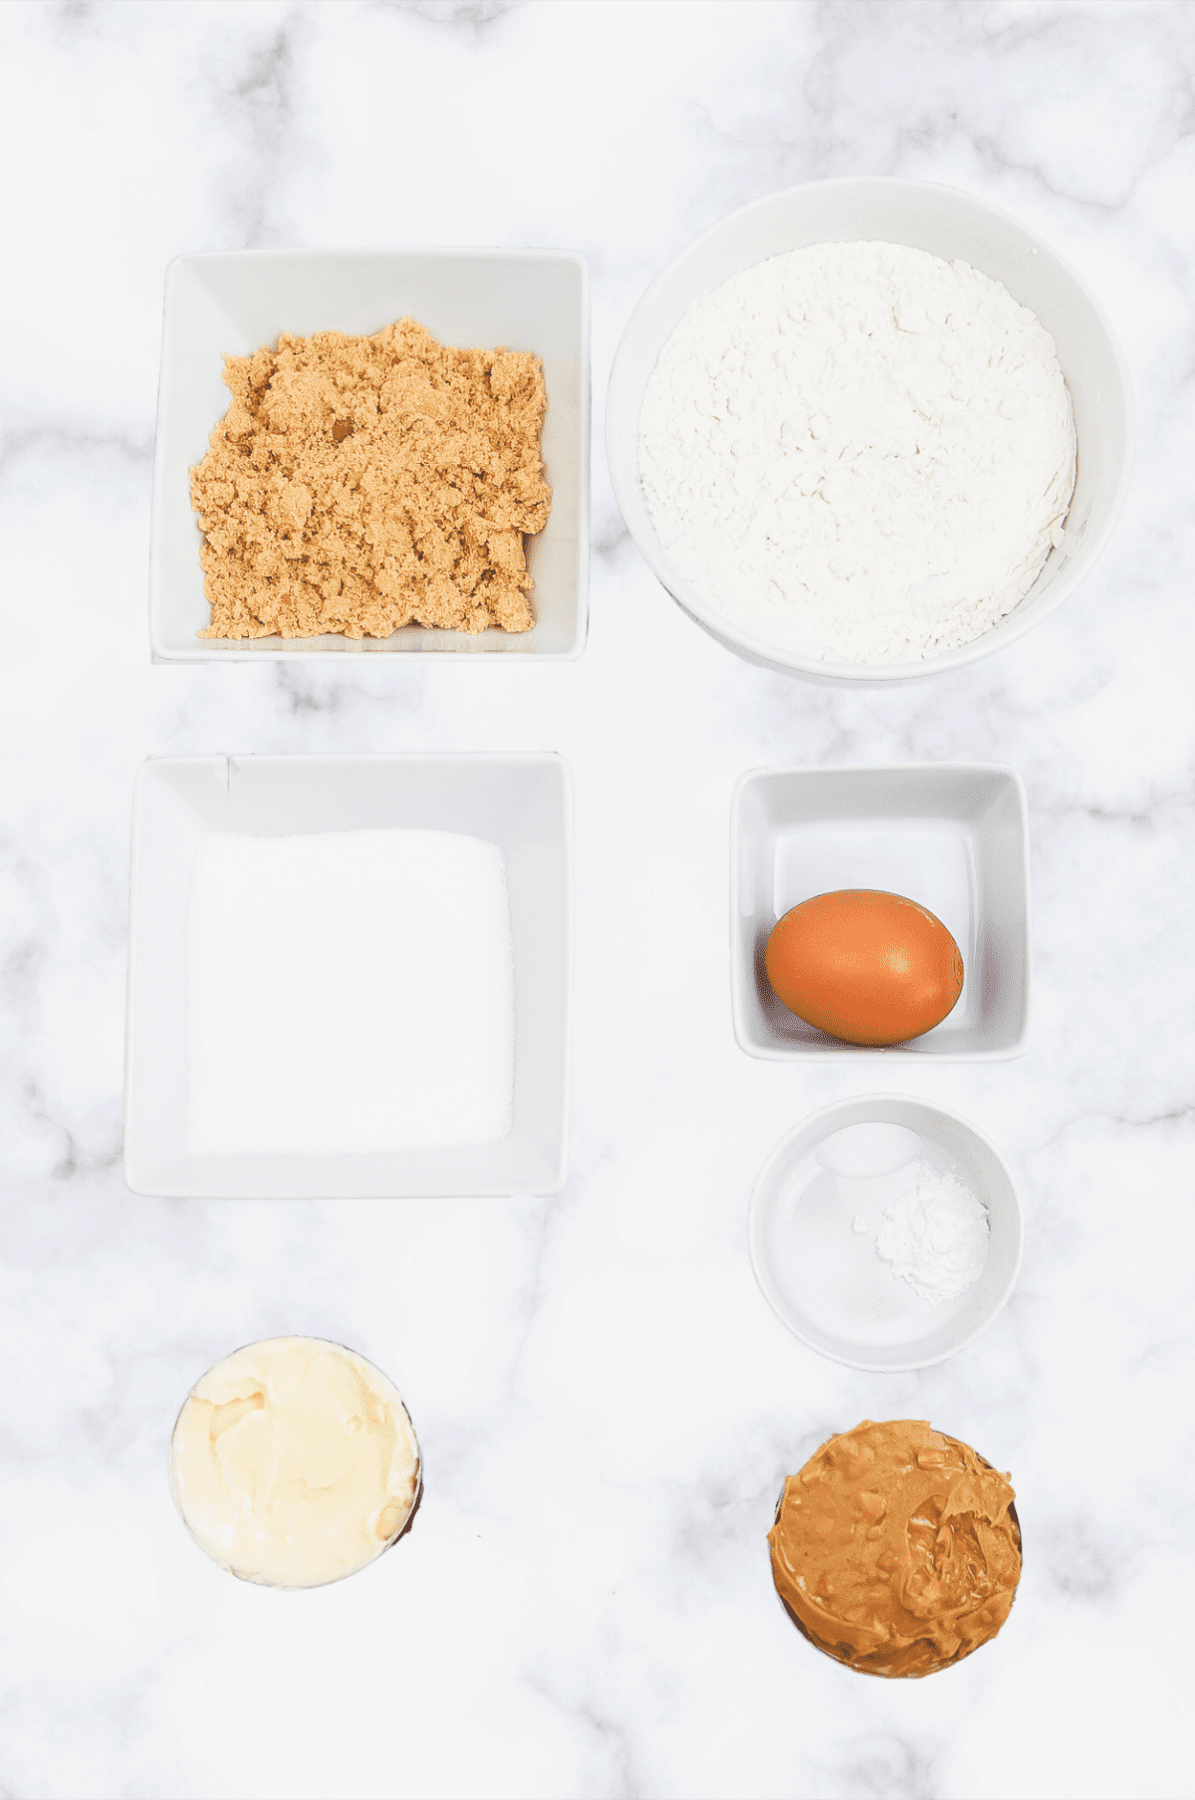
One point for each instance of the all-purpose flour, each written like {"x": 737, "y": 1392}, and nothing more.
{"x": 859, "y": 451}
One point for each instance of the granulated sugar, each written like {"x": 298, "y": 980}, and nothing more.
{"x": 859, "y": 451}
{"x": 349, "y": 991}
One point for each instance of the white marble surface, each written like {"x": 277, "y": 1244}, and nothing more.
{"x": 606, "y": 1405}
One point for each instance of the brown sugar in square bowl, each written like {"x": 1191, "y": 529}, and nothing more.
{"x": 533, "y": 301}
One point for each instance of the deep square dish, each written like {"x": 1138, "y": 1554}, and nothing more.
{"x": 230, "y": 304}
{"x": 522, "y": 803}
{"x": 952, "y": 836}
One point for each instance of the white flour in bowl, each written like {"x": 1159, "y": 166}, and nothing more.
{"x": 859, "y": 451}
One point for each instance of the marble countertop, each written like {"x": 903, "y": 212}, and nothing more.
{"x": 605, "y": 1403}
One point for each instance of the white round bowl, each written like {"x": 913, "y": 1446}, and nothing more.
{"x": 949, "y": 224}
{"x": 824, "y": 1280}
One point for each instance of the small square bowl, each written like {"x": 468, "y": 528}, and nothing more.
{"x": 231, "y": 304}
{"x": 521, "y": 803}
{"x": 954, "y": 837}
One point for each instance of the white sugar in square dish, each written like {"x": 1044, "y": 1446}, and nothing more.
{"x": 348, "y": 991}
{"x": 522, "y": 804}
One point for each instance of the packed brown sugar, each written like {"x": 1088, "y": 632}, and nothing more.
{"x": 359, "y": 484}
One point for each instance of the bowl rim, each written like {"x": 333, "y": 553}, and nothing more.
{"x": 1006, "y": 631}
{"x": 823, "y": 1115}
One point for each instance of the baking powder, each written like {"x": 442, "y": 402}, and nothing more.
{"x": 859, "y": 451}
{"x": 934, "y": 1233}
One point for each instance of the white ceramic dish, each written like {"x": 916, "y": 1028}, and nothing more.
{"x": 232, "y": 303}
{"x": 823, "y": 1279}
{"x": 952, "y": 836}
{"x": 946, "y": 223}
{"x": 522, "y": 803}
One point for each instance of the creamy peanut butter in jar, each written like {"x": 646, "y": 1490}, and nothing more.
{"x": 293, "y": 1462}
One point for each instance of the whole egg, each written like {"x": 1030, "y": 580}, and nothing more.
{"x": 865, "y": 966}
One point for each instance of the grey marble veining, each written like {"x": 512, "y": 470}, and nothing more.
{"x": 606, "y": 1406}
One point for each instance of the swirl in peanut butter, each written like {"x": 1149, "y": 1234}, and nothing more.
{"x": 896, "y": 1549}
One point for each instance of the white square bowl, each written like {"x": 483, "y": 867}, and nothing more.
{"x": 231, "y": 304}
{"x": 952, "y": 836}
{"x": 522, "y": 803}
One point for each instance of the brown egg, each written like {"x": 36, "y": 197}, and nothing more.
{"x": 865, "y": 966}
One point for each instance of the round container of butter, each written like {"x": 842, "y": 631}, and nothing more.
{"x": 885, "y": 1233}
{"x": 293, "y": 1462}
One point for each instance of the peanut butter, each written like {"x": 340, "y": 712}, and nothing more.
{"x": 293, "y": 1462}
{"x": 897, "y": 1550}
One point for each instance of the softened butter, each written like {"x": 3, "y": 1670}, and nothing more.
{"x": 293, "y": 1462}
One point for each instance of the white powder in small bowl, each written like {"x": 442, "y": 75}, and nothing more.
{"x": 934, "y": 1234}
{"x": 859, "y": 452}
{"x": 348, "y": 991}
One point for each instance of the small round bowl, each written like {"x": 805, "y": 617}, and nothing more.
{"x": 949, "y": 224}
{"x": 822, "y": 1277}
